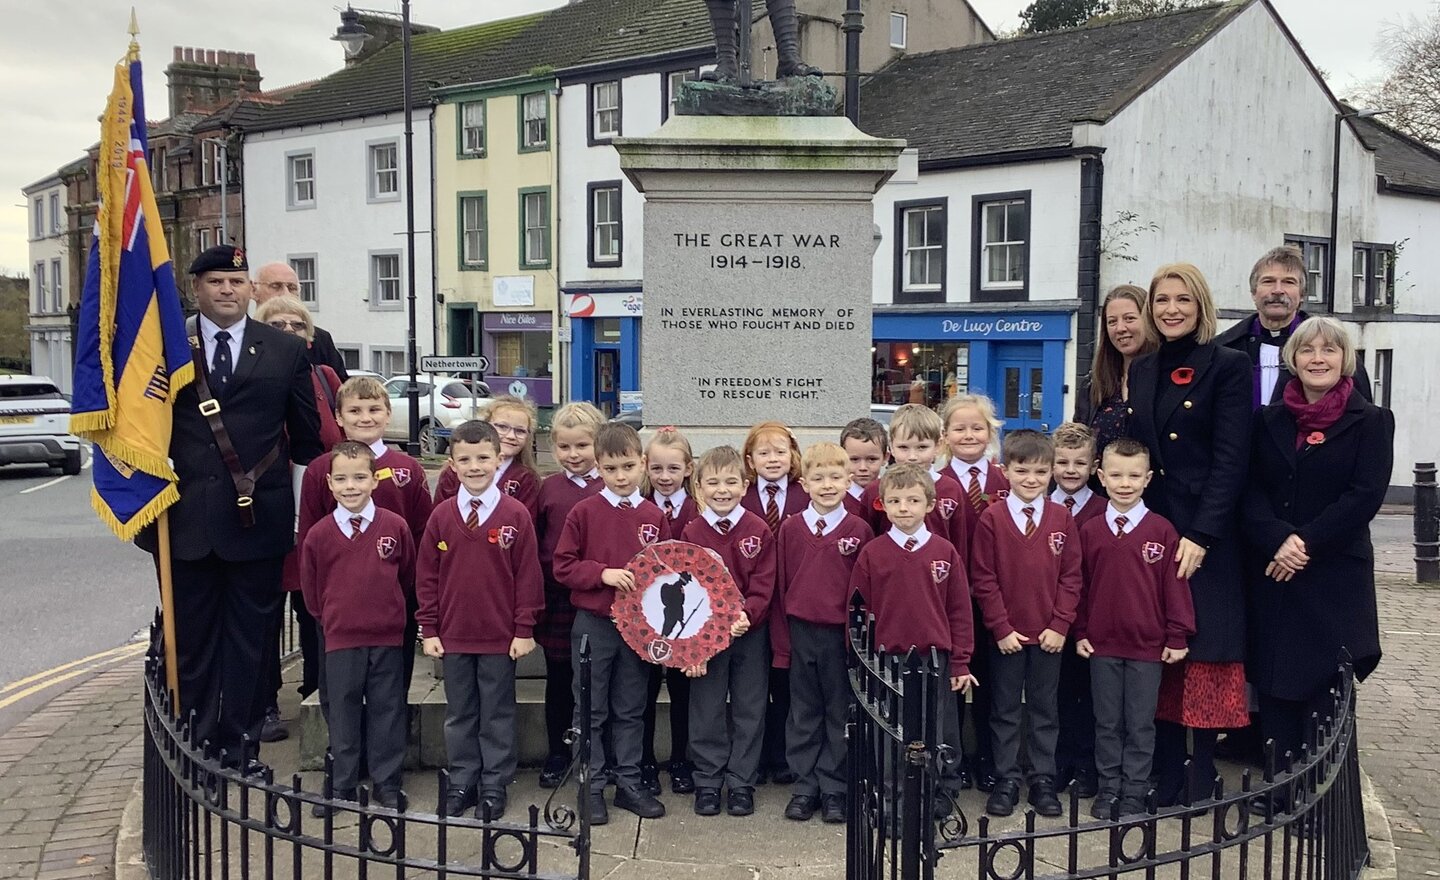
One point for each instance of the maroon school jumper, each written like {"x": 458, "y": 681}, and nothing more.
{"x": 812, "y": 577}
{"x": 518, "y": 481}
{"x": 1026, "y": 585}
{"x": 1094, "y": 506}
{"x": 749, "y": 554}
{"x": 795, "y": 500}
{"x": 479, "y": 588}
{"x": 598, "y": 535}
{"x": 950, "y": 519}
{"x": 558, "y": 494}
{"x": 993, "y": 488}
{"x": 356, "y": 587}
{"x": 1133, "y": 604}
{"x": 853, "y": 504}
{"x": 920, "y": 598}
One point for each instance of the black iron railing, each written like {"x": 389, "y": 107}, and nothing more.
{"x": 1301, "y": 818}
{"x": 203, "y": 819}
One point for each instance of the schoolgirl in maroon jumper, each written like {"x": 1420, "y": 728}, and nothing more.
{"x": 514, "y": 420}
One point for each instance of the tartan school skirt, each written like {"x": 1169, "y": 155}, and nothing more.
{"x": 1203, "y": 695}
{"x": 552, "y": 631}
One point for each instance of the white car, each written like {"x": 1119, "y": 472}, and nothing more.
{"x": 35, "y": 424}
{"x": 445, "y": 402}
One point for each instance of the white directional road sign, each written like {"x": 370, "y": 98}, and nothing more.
{"x": 436, "y": 364}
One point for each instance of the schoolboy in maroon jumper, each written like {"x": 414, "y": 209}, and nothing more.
{"x": 602, "y": 534}
{"x": 1075, "y": 463}
{"x": 357, "y": 571}
{"x": 727, "y": 694}
{"x": 480, "y": 590}
{"x": 1135, "y": 616}
{"x": 1026, "y": 575}
{"x": 915, "y": 439}
{"x": 867, "y": 447}
{"x": 913, "y": 581}
{"x": 816, "y": 554}
{"x": 572, "y": 437}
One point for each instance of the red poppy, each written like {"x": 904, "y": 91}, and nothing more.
{"x": 1315, "y": 438}
{"x": 1182, "y": 375}
{"x": 494, "y": 536}
{"x": 879, "y": 504}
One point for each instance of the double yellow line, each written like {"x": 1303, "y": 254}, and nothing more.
{"x": 16, "y": 691}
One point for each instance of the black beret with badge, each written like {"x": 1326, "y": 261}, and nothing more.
{"x": 221, "y": 258}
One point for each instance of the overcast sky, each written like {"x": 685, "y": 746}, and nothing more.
{"x": 56, "y": 56}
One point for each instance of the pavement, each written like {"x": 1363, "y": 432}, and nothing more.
{"x": 69, "y": 803}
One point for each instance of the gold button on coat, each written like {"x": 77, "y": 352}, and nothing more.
{"x": 1188, "y": 404}
{"x": 1174, "y": 436}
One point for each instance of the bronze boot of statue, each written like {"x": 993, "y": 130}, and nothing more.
{"x": 725, "y": 23}
{"x": 786, "y": 26}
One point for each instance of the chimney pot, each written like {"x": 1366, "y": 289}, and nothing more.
{"x": 250, "y": 60}
{"x": 210, "y": 56}
{"x": 179, "y": 54}
{"x": 223, "y": 57}
{"x": 189, "y": 54}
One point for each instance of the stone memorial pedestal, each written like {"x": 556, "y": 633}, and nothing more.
{"x": 759, "y": 234}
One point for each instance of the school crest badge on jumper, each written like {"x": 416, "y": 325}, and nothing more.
{"x": 682, "y": 607}
{"x": 749, "y": 546}
{"x": 385, "y": 546}
{"x": 847, "y": 546}
{"x": 648, "y": 533}
{"x": 401, "y": 476}
{"x": 512, "y": 487}
{"x": 939, "y": 570}
{"x": 946, "y": 506}
{"x": 1152, "y": 552}
{"x": 1057, "y": 543}
{"x": 999, "y": 496}
{"x": 503, "y": 536}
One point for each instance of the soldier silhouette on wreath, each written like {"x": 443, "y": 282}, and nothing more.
{"x": 727, "y": 18}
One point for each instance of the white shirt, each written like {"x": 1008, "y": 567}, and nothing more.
{"x": 209, "y": 328}
{"x": 935, "y": 475}
{"x": 1082, "y": 497}
{"x": 1132, "y": 516}
{"x": 379, "y": 448}
{"x": 677, "y": 501}
{"x": 342, "y": 518}
{"x": 502, "y": 467}
{"x": 783, "y": 483}
{"x": 1016, "y": 506}
{"x": 583, "y": 480}
{"x": 832, "y": 519}
{"x": 714, "y": 518}
{"x": 489, "y": 500}
{"x": 635, "y": 498}
{"x": 962, "y": 472}
{"x": 1269, "y": 371}
{"x": 921, "y": 536}
{"x": 855, "y": 491}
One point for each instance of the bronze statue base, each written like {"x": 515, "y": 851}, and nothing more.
{"x": 795, "y": 96}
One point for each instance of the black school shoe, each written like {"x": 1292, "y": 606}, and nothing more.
{"x": 1003, "y": 797}
{"x": 554, "y": 771}
{"x": 639, "y": 801}
{"x": 707, "y": 801}
{"x": 599, "y": 813}
{"x": 492, "y": 805}
{"x": 1042, "y": 797}
{"x": 1104, "y": 806}
{"x": 650, "y": 778}
{"x": 1086, "y": 782}
{"x": 458, "y": 800}
{"x": 802, "y": 807}
{"x": 740, "y": 802}
{"x": 391, "y": 799}
{"x": 832, "y": 808}
{"x": 682, "y": 777}
{"x": 783, "y": 776}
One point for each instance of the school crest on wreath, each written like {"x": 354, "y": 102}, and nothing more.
{"x": 512, "y": 487}
{"x": 682, "y": 607}
{"x": 401, "y": 476}
{"x": 939, "y": 570}
{"x": 385, "y": 546}
{"x": 1152, "y": 552}
{"x": 503, "y": 537}
{"x": 946, "y": 506}
{"x": 1057, "y": 543}
{"x": 749, "y": 546}
{"x": 648, "y": 533}
{"x": 847, "y": 546}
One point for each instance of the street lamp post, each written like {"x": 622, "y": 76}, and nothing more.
{"x": 1331, "y": 267}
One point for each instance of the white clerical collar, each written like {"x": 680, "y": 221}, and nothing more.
{"x": 921, "y": 536}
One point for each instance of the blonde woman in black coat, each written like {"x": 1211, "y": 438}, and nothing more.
{"x": 1319, "y": 467}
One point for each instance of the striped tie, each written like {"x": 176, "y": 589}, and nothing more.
{"x": 473, "y": 520}
{"x": 626, "y": 505}
{"x": 723, "y": 526}
{"x": 772, "y": 510}
{"x": 910, "y": 544}
{"x": 973, "y": 493}
{"x": 1070, "y": 503}
{"x": 355, "y": 523}
{"x": 1029, "y": 520}
{"x": 1120, "y": 523}
{"x": 819, "y": 528}
{"x": 669, "y": 509}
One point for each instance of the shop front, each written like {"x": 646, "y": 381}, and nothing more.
{"x": 519, "y": 346}
{"x": 1017, "y": 359}
{"x": 605, "y": 346}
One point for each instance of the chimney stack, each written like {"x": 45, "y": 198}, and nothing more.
{"x": 203, "y": 80}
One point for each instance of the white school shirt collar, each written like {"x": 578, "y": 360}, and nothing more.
{"x": 502, "y": 467}
{"x": 209, "y": 328}
{"x": 489, "y": 500}
{"x": 1082, "y": 497}
{"x": 832, "y": 519}
{"x": 962, "y": 471}
{"x": 936, "y": 474}
{"x": 614, "y": 500}
{"x": 342, "y": 517}
{"x": 855, "y": 491}
{"x": 1016, "y": 506}
{"x": 921, "y": 536}
{"x": 784, "y": 483}
{"x": 1132, "y": 516}
{"x": 583, "y": 480}
{"x": 379, "y": 448}
{"x": 733, "y": 516}
{"x": 676, "y": 500}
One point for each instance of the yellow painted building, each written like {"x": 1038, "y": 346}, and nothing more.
{"x": 496, "y": 253}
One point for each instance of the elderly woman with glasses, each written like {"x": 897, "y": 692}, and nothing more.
{"x": 1319, "y": 467}
{"x": 290, "y": 315}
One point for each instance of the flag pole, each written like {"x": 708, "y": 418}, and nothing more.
{"x": 167, "y": 611}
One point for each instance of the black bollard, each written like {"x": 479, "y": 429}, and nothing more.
{"x": 1427, "y": 525}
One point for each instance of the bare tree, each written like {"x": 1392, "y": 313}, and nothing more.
{"x": 1410, "y": 89}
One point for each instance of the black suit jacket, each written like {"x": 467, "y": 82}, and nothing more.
{"x": 1327, "y": 493}
{"x": 270, "y": 397}
{"x": 1199, "y": 441}
{"x": 1239, "y": 338}
{"x": 324, "y": 352}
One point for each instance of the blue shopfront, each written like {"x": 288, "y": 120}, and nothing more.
{"x": 1016, "y": 358}
{"x": 605, "y": 346}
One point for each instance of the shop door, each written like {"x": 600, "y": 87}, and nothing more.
{"x": 1020, "y": 387}
{"x": 607, "y": 381}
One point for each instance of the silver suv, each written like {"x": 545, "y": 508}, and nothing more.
{"x": 35, "y": 424}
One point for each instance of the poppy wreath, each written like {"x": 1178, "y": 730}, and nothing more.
{"x": 664, "y": 561}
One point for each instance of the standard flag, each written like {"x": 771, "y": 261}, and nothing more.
{"x": 132, "y": 355}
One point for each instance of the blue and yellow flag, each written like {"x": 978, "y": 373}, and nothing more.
{"x": 132, "y": 356}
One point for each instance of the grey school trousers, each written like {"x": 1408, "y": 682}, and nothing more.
{"x": 367, "y": 705}
{"x": 1124, "y": 693}
{"x": 619, "y": 685}
{"x": 1027, "y": 681}
{"x": 480, "y": 720}
{"x": 726, "y": 737}
{"x": 819, "y": 694}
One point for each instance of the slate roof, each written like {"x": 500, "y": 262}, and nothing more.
{"x": 1025, "y": 94}
{"x": 1403, "y": 163}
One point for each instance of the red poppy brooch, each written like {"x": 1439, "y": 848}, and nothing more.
{"x": 1182, "y": 375}
{"x": 1315, "y": 438}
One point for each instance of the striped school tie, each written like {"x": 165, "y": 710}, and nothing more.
{"x": 355, "y": 523}
{"x": 669, "y": 509}
{"x": 819, "y": 528}
{"x": 910, "y": 544}
{"x": 473, "y": 520}
{"x": 723, "y": 526}
{"x": 973, "y": 492}
{"x": 1120, "y": 524}
{"x": 1070, "y": 503}
{"x": 1029, "y": 520}
{"x": 772, "y": 510}
{"x": 626, "y": 505}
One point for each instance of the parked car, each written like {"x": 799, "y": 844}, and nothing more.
{"x": 880, "y": 412}
{"x": 35, "y": 424}
{"x": 445, "y": 402}
{"x": 371, "y": 373}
